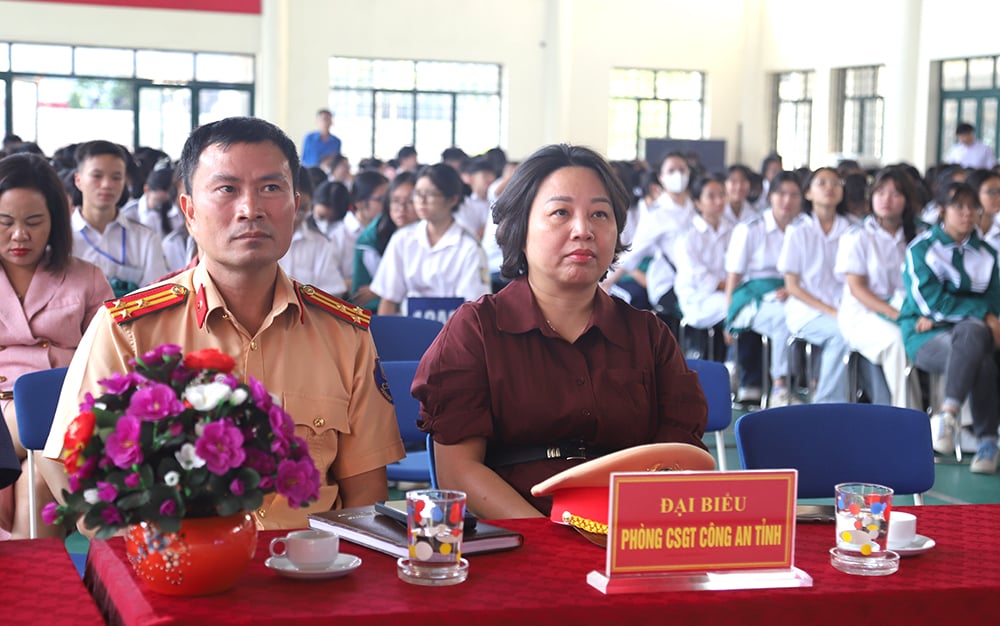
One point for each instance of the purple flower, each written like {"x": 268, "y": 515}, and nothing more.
{"x": 154, "y": 402}
{"x": 280, "y": 447}
{"x": 260, "y": 461}
{"x": 106, "y": 491}
{"x": 88, "y": 402}
{"x": 132, "y": 480}
{"x": 120, "y": 383}
{"x": 74, "y": 482}
{"x": 122, "y": 446}
{"x": 260, "y": 395}
{"x": 266, "y": 483}
{"x": 50, "y": 513}
{"x": 175, "y": 429}
{"x": 300, "y": 449}
{"x": 169, "y": 507}
{"x": 87, "y": 469}
{"x": 298, "y": 481}
{"x": 281, "y": 422}
{"x": 221, "y": 445}
{"x": 158, "y": 353}
{"x": 111, "y": 515}
{"x": 237, "y": 487}
{"x": 227, "y": 379}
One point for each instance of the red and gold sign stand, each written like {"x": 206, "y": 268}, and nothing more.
{"x": 700, "y": 531}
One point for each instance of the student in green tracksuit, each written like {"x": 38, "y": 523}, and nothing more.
{"x": 949, "y": 320}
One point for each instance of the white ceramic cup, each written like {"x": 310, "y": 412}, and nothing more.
{"x": 902, "y": 529}
{"x": 307, "y": 549}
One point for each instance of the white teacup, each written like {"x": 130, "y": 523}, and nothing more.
{"x": 307, "y": 549}
{"x": 902, "y": 529}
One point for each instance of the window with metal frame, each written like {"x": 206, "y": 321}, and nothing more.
{"x": 970, "y": 92}
{"x": 861, "y": 111}
{"x": 791, "y": 121}
{"x": 653, "y": 104}
{"x": 381, "y": 105}
{"x": 56, "y": 95}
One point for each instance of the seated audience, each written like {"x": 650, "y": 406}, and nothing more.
{"x": 397, "y": 212}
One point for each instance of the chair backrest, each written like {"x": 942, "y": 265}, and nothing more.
{"x": 400, "y": 338}
{"x": 431, "y": 463}
{"x": 439, "y": 309}
{"x": 36, "y": 395}
{"x": 836, "y": 443}
{"x": 400, "y": 374}
{"x": 714, "y": 379}
{"x": 10, "y": 466}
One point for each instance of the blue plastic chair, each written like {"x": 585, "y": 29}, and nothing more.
{"x": 400, "y": 338}
{"x": 837, "y": 443}
{"x": 36, "y": 395}
{"x": 415, "y": 467}
{"x": 714, "y": 379}
{"x": 431, "y": 463}
{"x": 439, "y": 309}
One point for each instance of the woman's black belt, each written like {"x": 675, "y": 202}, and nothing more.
{"x": 567, "y": 450}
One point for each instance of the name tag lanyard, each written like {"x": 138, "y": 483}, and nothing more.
{"x": 102, "y": 252}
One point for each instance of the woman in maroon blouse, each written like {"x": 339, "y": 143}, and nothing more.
{"x": 551, "y": 370}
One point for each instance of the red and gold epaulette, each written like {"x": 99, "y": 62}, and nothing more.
{"x": 334, "y": 306}
{"x": 135, "y": 305}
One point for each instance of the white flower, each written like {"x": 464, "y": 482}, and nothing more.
{"x": 207, "y": 397}
{"x": 90, "y": 496}
{"x": 188, "y": 457}
{"x": 172, "y": 478}
{"x": 238, "y": 397}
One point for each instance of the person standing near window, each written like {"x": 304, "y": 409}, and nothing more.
{"x": 320, "y": 142}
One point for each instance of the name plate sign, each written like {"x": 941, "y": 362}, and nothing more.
{"x": 662, "y": 522}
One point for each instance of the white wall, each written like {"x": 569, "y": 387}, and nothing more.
{"x": 557, "y": 54}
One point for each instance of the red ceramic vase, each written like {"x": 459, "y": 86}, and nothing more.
{"x": 206, "y": 556}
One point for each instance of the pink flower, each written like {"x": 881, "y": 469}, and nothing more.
{"x": 281, "y": 422}
{"x": 168, "y": 508}
{"x": 122, "y": 446}
{"x": 260, "y": 461}
{"x": 132, "y": 480}
{"x": 298, "y": 481}
{"x": 237, "y": 487}
{"x": 157, "y": 354}
{"x": 120, "y": 383}
{"x": 221, "y": 446}
{"x": 88, "y": 402}
{"x": 51, "y": 514}
{"x": 154, "y": 403}
{"x": 111, "y": 515}
{"x": 106, "y": 491}
{"x": 74, "y": 482}
{"x": 260, "y": 395}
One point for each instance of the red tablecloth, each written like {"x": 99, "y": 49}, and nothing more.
{"x": 544, "y": 582}
{"x": 40, "y": 585}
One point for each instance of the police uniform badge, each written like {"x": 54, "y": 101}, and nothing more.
{"x": 381, "y": 381}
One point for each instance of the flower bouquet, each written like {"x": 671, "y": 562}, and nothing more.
{"x": 180, "y": 438}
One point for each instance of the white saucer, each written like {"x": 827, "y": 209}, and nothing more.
{"x": 919, "y": 545}
{"x": 343, "y": 565}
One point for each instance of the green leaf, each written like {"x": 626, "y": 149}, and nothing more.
{"x": 133, "y": 500}
{"x": 228, "y": 505}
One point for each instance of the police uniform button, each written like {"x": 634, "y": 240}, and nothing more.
{"x": 253, "y": 345}
{"x": 319, "y": 422}
{"x": 261, "y": 512}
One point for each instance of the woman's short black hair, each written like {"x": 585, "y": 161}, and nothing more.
{"x": 513, "y": 206}
{"x": 954, "y": 193}
{"x": 446, "y": 180}
{"x": 30, "y": 171}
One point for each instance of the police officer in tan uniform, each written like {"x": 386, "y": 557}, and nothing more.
{"x": 310, "y": 348}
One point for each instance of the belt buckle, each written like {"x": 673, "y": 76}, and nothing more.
{"x": 581, "y": 453}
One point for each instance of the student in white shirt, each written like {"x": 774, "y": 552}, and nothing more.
{"x": 331, "y": 203}
{"x": 755, "y": 289}
{"x": 129, "y": 254}
{"x": 367, "y": 197}
{"x": 700, "y": 255}
{"x": 807, "y": 259}
{"x": 738, "y": 208}
{"x": 434, "y": 257}
{"x": 870, "y": 260}
{"x": 968, "y": 152}
{"x": 310, "y": 258}
{"x": 156, "y": 208}
{"x": 474, "y": 212}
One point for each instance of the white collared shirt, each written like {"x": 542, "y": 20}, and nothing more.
{"x": 868, "y": 250}
{"x": 658, "y": 228}
{"x": 754, "y": 248}
{"x": 747, "y": 215}
{"x": 455, "y": 266}
{"x": 473, "y": 214}
{"x": 126, "y": 250}
{"x": 343, "y": 235}
{"x": 700, "y": 256}
{"x": 139, "y": 211}
{"x": 311, "y": 260}
{"x": 811, "y": 253}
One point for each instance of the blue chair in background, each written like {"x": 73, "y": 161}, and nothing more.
{"x": 714, "y": 379}
{"x": 431, "y": 463}
{"x": 400, "y": 338}
{"x": 837, "y": 443}
{"x": 415, "y": 467}
{"x": 439, "y": 309}
{"x": 35, "y": 397}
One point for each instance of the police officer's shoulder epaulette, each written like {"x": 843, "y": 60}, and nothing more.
{"x": 334, "y": 306}
{"x": 140, "y": 303}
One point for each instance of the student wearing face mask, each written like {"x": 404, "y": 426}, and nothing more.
{"x": 659, "y": 228}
